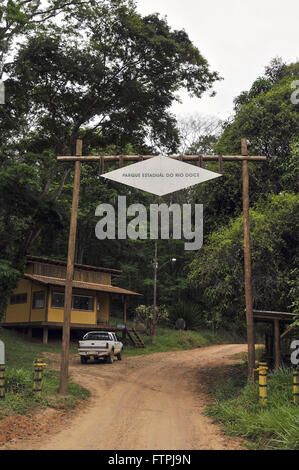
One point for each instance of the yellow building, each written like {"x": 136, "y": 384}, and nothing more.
{"x": 38, "y": 301}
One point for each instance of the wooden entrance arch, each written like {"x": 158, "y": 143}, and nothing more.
{"x": 198, "y": 159}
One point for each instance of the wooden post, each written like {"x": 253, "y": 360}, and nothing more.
{"x": 124, "y": 333}
{"x": 247, "y": 268}
{"x": 69, "y": 276}
{"x": 220, "y": 165}
{"x": 102, "y": 166}
{"x": 276, "y": 344}
{"x": 125, "y": 309}
{"x": 45, "y": 335}
{"x": 155, "y": 292}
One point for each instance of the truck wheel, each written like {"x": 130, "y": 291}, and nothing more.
{"x": 110, "y": 358}
{"x": 83, "y": 360}
{"x": 119, "y": 356}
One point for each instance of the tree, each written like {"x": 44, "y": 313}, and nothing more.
{"x": 265, "y": 116}
{"x": 218, "y": 269}
{"x": 19, "y": 17}
{"x": 198, "y": 134}
{"x": 269, "y": 120}
{"x": 114, "y": 79}
{"x": 145, "y": 315}
{"x": 111, "y": 82}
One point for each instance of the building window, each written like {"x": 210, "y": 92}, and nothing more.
{"x": 57, "y": 300}
{"x": 18, "y": 299}
{"x": 38, "y": 299}
{"x": 82, "y": 302}
{"x": 79, "y": 302}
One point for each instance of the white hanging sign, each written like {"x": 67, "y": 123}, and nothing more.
{"x": 161, "y": 175}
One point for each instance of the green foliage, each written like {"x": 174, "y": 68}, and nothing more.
{"x": 112, "y": 82}
{"x": 190, "y": 312}
{"x": 109, "y": 82}
{"x": 174, "y": 340}
{"x": 239, "y": 411}
{"x": 269, "y": 120}
{"x": 9, "y": 278}
{"x": 266, "y": 116}
{"x": 20, "y": 398}
{"x": 218, "y": 270}
{"x": 294, "y": 290}
{"x": 18, "y": 380}
{"x": 114, "y": 79}
{"x": 20, "y": 204}
{"x": 146, "y": 315}
{"x": 20, "y": 354}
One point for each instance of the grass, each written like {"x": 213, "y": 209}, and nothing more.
{"x": 173, "y": 340}
{"x": 20, "y": 354}
{"x": 21, "y": 351}
{"x": 238, "y": 410}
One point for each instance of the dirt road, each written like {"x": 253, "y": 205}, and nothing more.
{"x": 144, "y": 402}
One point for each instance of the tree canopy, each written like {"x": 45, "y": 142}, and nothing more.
{"x": 100, "y": 71}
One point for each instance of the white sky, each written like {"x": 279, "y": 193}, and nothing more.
{"x": 237, "y": 37}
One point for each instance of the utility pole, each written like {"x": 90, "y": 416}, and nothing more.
{"x": 156, "y": 268}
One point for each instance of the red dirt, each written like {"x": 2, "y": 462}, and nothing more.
{"x": 143, "y": 402}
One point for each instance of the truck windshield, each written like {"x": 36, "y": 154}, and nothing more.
{"x": 97, "y": 337}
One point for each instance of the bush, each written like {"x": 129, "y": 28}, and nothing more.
{"x": 18, "y": 380}
{"x": 218, "y": 271}
{"x": 189, "y": 312}
{"x": 145, "y": 315}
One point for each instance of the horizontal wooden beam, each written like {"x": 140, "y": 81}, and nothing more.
{"x": 266, "y": 318}
{"x": 270, "y": 312}
{"x": 185, "y": 158}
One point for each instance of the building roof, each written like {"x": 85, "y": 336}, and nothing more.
{"x": 266, "y": 315}
{"x": 53, "y": 281}
{"x": 41, "y": 259}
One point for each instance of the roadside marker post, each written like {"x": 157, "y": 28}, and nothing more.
{"x": 262, "y": 370}
{"x": 2, "y": 371}
{"x": 2, "y": 382}
{"x": 38, "y": 377}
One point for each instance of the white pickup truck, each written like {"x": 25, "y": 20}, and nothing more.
{"x": 98, "y": 344}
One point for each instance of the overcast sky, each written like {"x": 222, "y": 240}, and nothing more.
{"x": 237, "y": 37}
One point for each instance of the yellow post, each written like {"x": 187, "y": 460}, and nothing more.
{"x": 263, "y": 383}
{"x": 2, "y": 382}
{"x": 38, "y": 377}
{"x": 296, "y": 387}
